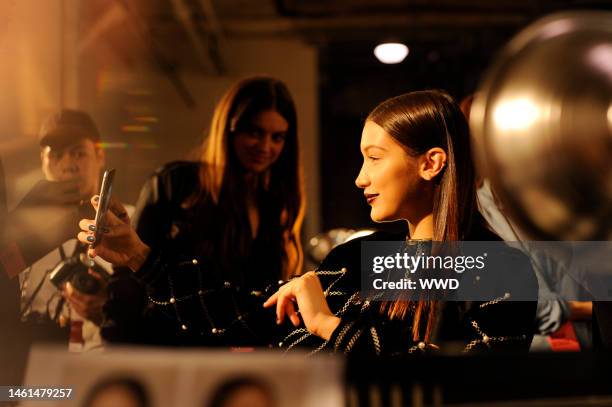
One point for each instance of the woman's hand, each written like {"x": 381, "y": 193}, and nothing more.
{"x": 119, "y": 243}
{"x": 307, "y": 292}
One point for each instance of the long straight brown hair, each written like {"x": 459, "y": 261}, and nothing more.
{"x": 420, "y": 121}
{"x": 222, "y": 175}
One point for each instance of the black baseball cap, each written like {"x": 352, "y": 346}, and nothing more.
{"x": 66, "y": 126}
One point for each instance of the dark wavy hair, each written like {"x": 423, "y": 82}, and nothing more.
{"x": 420, "y": 121}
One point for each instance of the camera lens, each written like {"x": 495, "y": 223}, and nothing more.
{"x": 85, "y": 283}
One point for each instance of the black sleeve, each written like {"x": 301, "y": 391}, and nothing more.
{"x": 366, "y": 331}
{"x": 500, "y": 325}
{"x": 161, "y": 198}
{"x": 127, "y": 319}
{"x": 151, "y": 217}
{"x": 128, "y": 316}
{"x": 124, "y": 309}
{"x": 497, "y": 325}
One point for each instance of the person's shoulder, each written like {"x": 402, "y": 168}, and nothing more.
{"x": 178, "y": 168}
{"x": 515, "y": 269}
{"x": 177, "y": 180}
{"x": 482, "y": 231}
{"x": 349, "y": 252}
{"x": 375, "y": 236}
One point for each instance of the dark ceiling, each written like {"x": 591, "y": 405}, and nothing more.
{"x": 189, "y": 33}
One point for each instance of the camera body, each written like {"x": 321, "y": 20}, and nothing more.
{"x": 75, "y": 270}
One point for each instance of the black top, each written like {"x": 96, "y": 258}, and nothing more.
{"x": 186, "y": 294}
{"x": 500, "y": 324}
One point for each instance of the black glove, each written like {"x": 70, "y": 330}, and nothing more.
{"x": 45, "y": 218}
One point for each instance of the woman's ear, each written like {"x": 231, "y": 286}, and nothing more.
{"x": 431, "y": 163}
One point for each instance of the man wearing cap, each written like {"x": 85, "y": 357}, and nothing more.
{"x": 46, "y": 219}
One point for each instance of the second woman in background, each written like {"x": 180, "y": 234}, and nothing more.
{"x": 216, "y": 233}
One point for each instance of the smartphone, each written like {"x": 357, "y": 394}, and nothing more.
{"x": 106, "y": 191}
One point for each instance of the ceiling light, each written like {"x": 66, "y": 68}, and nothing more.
{"x": 391, "y": 52}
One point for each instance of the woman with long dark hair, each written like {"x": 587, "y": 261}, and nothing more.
{"x": 417, "y": 167}
{"x": 213, "y": 235}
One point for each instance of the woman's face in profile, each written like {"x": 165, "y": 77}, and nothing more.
{"x": 259, "y": 143}
{"x": 389, "y": 176}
